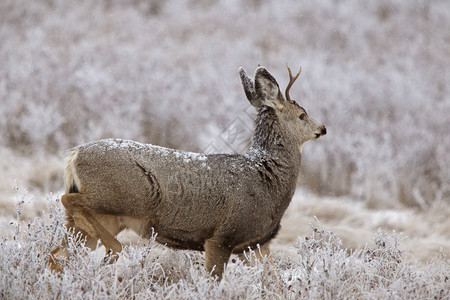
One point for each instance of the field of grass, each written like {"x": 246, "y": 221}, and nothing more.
{"x": 317, "y": 266}
{"x": 375, "y": 73}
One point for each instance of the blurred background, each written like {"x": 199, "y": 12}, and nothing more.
{"x": 376, "y": 73}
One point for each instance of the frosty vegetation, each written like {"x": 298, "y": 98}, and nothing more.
{"x": 320, "y": 269}
{"x": 375, "y": 73}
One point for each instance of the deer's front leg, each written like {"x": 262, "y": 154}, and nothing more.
{"x": 217, "y": 254}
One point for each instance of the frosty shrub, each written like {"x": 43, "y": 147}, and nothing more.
{"x": 321, "y": 269}
{"x": 324, "y": 270}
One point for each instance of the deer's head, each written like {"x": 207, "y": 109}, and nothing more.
{"x": 265, "y": 94}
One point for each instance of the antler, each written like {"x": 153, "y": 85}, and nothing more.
{"x": 291, "y": 81}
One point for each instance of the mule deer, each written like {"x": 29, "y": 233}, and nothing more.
{"x": 217, "y": 203}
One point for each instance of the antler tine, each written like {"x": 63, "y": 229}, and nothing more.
{"x": 291, "y": 81}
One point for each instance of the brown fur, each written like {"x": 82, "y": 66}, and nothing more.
{"x": 219, "y": 203}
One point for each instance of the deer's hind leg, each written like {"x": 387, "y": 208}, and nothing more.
{"x": 60, "y": 254}
{"x": 85, "y": 221}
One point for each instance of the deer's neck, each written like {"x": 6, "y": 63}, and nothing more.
{"x": 278, "y": 155}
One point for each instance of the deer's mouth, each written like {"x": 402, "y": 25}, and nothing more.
{"x": 323, "y": 131}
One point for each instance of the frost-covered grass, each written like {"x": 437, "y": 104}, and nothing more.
{"x": 320, "y": 268}
{"x": 311, "y": 262}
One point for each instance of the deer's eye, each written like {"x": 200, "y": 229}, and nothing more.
{"x": 302, "y": 116}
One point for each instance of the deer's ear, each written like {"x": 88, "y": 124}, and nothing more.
{"x": 267, "y": 89}
{"x": 249, "y": 88}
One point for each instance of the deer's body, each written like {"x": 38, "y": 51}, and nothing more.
{"x": 218, "y": 203}
{"x": 185, "y": 197}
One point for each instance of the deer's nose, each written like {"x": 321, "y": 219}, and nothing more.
{"x": 323, "y": 131}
